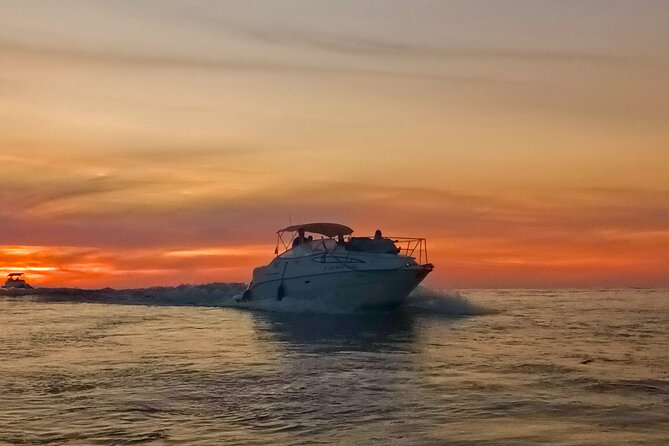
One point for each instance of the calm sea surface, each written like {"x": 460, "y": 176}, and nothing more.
{"x": 512, "y": 367}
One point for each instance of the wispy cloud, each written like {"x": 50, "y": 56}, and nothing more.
{"x": 485, "y": 239}
{"x": 176, "y": 61}
{"x": 364, "y": 45}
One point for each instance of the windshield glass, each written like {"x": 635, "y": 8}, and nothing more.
{"x": 311, "y": 247}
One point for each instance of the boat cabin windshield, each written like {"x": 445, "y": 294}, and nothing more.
{"x": 305, "y": 239}
{"x": 310, "y": 247}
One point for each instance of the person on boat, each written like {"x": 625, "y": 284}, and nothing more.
{"x": 300, "y": 238}
{"x": 340, "y": 240}
{"x": 383, "y": 245}
{"x": 376, "y": 244}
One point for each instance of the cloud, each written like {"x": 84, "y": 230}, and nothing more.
{"x": 358, "y": 45}
{"x": 215, "y": 216}
{"x": 179, "y": 61}
{"x": 82, "y": 188}
{"x": 565, "y": 238}
{"x": 365, "y": 46}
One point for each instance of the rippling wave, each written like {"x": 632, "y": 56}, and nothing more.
{"x": 179, "y": 365}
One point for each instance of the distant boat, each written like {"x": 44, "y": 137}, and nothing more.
{"x": 16, "y": 280}
{"x": 341, "y": 270}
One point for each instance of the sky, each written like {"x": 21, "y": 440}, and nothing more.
{"x": 157, "y": 143}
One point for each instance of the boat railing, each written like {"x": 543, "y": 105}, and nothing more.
{"x": 412, "y": 247}
{"x": 409, "y": 246}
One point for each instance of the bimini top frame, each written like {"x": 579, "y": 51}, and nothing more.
{"x": 408, "y": 246}
{"x": 329, "y": 230}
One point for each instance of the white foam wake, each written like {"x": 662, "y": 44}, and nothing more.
{"x": 444, "y": 302}
{"x": 422, "y": 299}
{"x": 228, "y": 295}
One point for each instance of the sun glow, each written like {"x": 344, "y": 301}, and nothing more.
{"x": 149, "y": 156}
{"x": 251, "y": 250}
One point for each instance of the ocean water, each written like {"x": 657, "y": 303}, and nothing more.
{"x": 188, "y": 366}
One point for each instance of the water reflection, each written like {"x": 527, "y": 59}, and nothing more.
{"x": 323, "y": 332}
{"x": 190, "y": 374}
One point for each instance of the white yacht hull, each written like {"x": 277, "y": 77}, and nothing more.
{"x": 352, "y": 274}
{"x": 347, "y": 289}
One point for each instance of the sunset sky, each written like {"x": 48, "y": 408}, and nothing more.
{"x": 156, "y": 143}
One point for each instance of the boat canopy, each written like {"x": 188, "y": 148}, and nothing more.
{"x": 326, "y": 229}
{"x": 13, "y": 275}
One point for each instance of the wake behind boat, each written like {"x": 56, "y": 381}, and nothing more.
{"x": 340, "y": 270}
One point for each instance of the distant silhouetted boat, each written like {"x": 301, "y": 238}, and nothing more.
{"x": 16, "y": 280}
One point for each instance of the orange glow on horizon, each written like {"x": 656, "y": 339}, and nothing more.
{"x": 526, "y": 155}
{"x": 459, "y": 263}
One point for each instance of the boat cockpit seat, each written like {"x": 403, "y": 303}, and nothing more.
{"x": 365, "y": 244}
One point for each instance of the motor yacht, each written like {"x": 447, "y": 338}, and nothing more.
{"x": 16, "y": 280}
{"x": 324, "y": 261}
